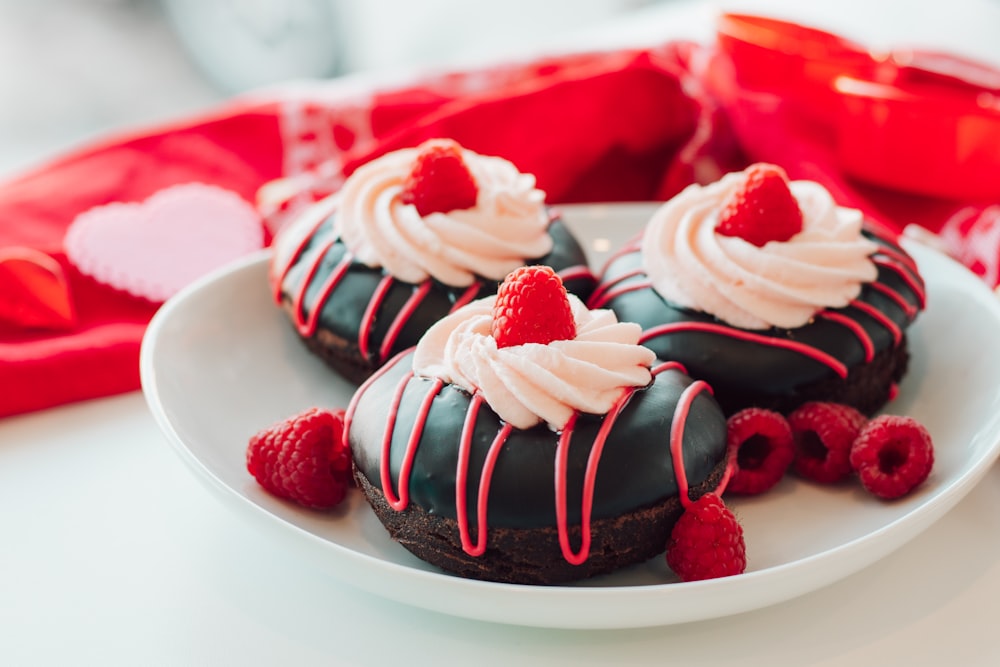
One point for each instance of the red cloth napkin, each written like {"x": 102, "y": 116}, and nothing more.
{"x": 591, "y": 127}
{"x": 621, "y": 126}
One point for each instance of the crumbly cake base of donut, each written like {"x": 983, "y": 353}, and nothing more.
{"x": 341, "y": 355}
{"x": 533, "y": 555}
{"x": 868, "y": 387}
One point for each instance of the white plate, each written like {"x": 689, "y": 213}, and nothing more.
{"x": 220, "y": 361}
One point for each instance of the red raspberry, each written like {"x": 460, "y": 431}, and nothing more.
{"x": 303, "y": 458}
{"x": 763, "y": 209}
{"x": 823, "y": 435}
{"x": 761, "y": 442}
{"x": 532, "y": 307}
{"x": 439, "y": 180}
{"x": 707, "y": 542}
{"x": 892, "y": 455}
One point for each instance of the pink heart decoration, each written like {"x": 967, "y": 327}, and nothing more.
{"x": 34, "y": 293}
{"x": 154, "y": 248}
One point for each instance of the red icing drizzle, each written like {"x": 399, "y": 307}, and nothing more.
{"x": 890, "y": 258}
{"x": 856, "y": 329}
{"x": 369, "y": 317}
{"x": 575, "y": 272}
{"x": 401, "y": 501}
{"x": 401, "y": 319}
{"x": 589, "y": 481}
{"x": 898, "y": 257}
{"x": 461, "y": 479}
{"x": 907, "y": 276}
{"x": 308, "y": 327}
{"x": 739, "y": 334}
{"x": 880, "y": 317}
{"x": 677, "y": 438}
{"x": 467, "y": 296}
{"x": 605, "y": 293}
{"x": 294, "y": 256}
{"x": 896, "y": 297}
{"x": 352, "y": 406}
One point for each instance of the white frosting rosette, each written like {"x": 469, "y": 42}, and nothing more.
{"x": 532, "y": 383}
{"x": 781, "y": 284}
{"x": 507, "y": 226}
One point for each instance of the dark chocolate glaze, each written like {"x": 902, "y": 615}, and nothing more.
{"x": 745, "y": 368}
{"x": 343, "y": 309}
{"x": 635, "y": 470}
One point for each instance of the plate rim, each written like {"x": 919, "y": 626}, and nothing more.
{"x": 647, "y": 607}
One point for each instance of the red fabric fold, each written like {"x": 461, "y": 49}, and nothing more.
{"x": 591, "y": 127}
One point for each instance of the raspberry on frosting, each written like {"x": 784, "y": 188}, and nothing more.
{"x": 529, "y": 382}
{"x": 532, "y": 306}
{"x": 443, "y": 212}
{"x": 439, "y": 181}
{"x": 763, "y": 209}
{"x": 757, "y": 285}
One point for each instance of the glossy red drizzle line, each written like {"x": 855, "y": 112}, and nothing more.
{"x": 907, "y": 277}
{"x": 352, "y": 405}
{"x": 575, "y": 272}
{"x": 896, "y": 260}
{"x": 895, "y": 297}
{"x": 366, "y": 325}
{"x": 617, "y": 292}
{"x": 307, "y": 327}
{"x": 462, "y": 476}
{"x": 467, "y": 296}
{"x": 364, "y": 330}
{"x": 294, "y": 256}
{"x": 855, "y": 328}
{"x": 666, "y": 366}
{"x": 401, "y": 501}
{"x": 739, "y": 334}
{"x": 880, "y": 317}
{"x": 677, "y": 438}
{"x": 899, "y": 257}
{"x": 598, "y": 298}
{"x": 890, "y": 258}
{"x": 402, "y": 317}
{"x": 703, "y": 386}
{"x": 589, "y": 480}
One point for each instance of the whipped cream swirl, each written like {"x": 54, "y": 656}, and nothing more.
{"x": 507, "y": 226}
{"x": 531, "y": 383}
{"x": 781, "y": 284}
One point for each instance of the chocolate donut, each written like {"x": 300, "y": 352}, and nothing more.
{"x": 355, "y": 317}
{"x": 364, "y": 272}
{"x": 464, "y": 490}
{"x": 854, "y": 355}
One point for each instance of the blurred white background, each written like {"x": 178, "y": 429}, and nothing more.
{"x": 71, "y": 70}
{"x": 74, "y": 69}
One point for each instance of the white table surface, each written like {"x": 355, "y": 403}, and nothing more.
{"x": 112, "y": 553}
